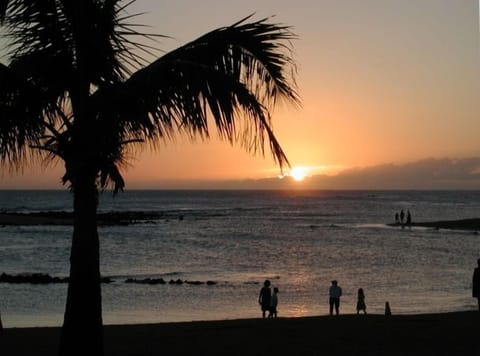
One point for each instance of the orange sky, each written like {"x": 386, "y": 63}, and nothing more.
{"x": 380, "y": 80}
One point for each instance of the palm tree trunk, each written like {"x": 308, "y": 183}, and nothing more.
{"x": 82, "y": 332}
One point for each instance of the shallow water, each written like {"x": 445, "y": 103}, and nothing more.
{"x": 299, "y": 240}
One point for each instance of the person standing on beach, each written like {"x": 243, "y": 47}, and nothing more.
{"x": 265, "y": 297}
{"x": 476, "y": 283}
{"x": 335, "y": 292}
{"x": 361, "y": 302}
{"x": 409, "y": 218}
{"x": 402, "y": 216}
{"x": 274, "y": 304}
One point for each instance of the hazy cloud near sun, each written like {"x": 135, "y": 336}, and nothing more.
{"x": 429, "y": 173}
{"x": 425, "y": 174}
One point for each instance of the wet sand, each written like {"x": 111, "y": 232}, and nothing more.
{"x": 428, "y": 334}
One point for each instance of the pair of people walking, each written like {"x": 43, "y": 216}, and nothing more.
{"x": 268, "y": 301}
{"x": 335, "y": 292}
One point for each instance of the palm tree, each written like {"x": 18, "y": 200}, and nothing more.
{"x": 76, "y": 89}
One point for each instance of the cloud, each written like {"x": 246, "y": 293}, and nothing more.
{"x": 425, "y": 174}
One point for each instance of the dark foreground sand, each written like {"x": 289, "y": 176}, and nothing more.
{"x": 430, "y": 334}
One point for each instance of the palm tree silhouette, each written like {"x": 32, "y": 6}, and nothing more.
{"x": 77, "y": 89}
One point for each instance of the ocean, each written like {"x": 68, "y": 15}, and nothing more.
{"x": 300, "y": 240}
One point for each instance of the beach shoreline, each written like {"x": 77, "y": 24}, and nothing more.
{"x": 453, "y": 333}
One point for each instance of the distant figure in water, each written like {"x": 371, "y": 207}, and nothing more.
{"x": 265, "y": 297}
{"x": 476, "y": 283}
{"x": 397, "y": 219}
{"x": 335, "y": 292}
{"x": 274, "y": 303}
{"x": 361, "y": 302}
{"x": 402, "y": 216}
{"x": 409, "y": 218}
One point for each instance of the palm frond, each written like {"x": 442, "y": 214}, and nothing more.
{"x": 20, "y": 110}
{"x": 67, "y": 81}
{"x": 233, "y": 74}
{"x": 92, "y": 36}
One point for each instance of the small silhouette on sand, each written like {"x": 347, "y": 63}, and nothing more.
{"x": 476, "y": 283}
{"x": 264, "y": 298}
{"x": 335, "y": 292}
{"x": 361, "y": 306}
{"x": 273, "y": 304}
{"x": 388, "y": 311}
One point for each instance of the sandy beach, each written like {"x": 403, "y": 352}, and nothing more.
{"x": 428, "y": 334}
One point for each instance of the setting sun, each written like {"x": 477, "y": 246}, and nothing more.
{"x": 298, "y": 173}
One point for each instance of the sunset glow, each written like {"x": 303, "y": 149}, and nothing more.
{"x": 381, "y": 82}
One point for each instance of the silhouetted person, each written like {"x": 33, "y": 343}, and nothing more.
{"x": 409, "y": 218}
{"x": 361, "y": 302}
{"x": 388, "y": 311}
{"x": 274, "y": 304}
{"x": 265, "y": 297}
{"x": 476, "y": 283}
{"x": 335, "y": 292}
{"x": 397, "y": 219}
{"x": 402, "y": 216}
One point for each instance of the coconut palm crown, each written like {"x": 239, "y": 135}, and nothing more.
{"x": 76, "y": 88}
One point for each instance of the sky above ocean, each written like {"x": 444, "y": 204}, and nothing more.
{"x": 381, "y": 82}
